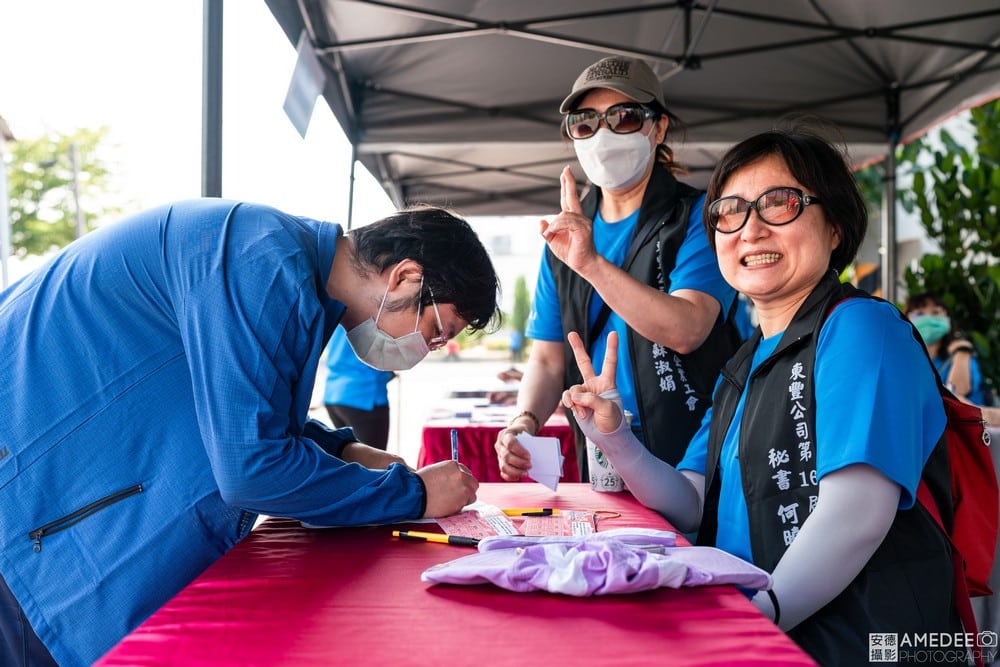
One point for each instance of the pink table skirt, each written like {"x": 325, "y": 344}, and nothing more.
{"x": 476, "y": 446}
{"x": 352, "y": 596}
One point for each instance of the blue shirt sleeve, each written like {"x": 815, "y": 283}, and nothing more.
{"x": 877, "y": 401}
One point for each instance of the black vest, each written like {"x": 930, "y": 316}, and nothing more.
{"x": 672, "y": 390}
{"x": 907, "y": 584}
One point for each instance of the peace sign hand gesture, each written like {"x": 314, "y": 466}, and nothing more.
{"x": 570, "y": 235}
{"x": 597, "y": 397}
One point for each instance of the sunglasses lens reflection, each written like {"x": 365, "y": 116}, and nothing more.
{"x": 620, "y": 119}
{"x": 625, "y": 120}
{"x": 775, "y": 207}
{"x": 780, "y": 206}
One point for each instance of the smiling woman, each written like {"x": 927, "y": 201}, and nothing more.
{"x": 821, "y": 424}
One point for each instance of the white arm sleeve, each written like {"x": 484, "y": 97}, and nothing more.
{"x": 657, "y": 485}
{"x": 855, "y": 509}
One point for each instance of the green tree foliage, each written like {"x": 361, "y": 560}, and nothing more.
{"x": 870, "y": 182}
{"x": 522, "y": 306}
{"x": 40, "y": 176}
{"x": 958, "y": 198}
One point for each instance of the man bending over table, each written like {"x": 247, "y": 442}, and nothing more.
{"x": 158, "y": 375}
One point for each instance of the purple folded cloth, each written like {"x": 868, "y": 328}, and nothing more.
{"x": 621, "y": 561}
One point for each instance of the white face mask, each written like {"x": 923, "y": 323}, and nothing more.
{"x": 614, "y": 161}
{"x": 380, "y": 350}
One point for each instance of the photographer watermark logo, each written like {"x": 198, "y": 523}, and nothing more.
{"x": 941, "y": 648}
{"x": 883, "y": 647}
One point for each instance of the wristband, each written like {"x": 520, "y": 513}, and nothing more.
{"x": 530, "y": 415}
{"x": 774, "y": 603}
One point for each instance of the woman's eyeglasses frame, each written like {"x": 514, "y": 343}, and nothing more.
{"x": 804, "y": 199}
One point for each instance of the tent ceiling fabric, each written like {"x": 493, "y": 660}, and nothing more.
{"x": 455, "y": 102}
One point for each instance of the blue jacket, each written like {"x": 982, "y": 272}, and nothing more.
{"x": 158, "y": 374}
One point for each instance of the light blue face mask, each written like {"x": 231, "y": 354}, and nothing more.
{"x": 932, "y": 328}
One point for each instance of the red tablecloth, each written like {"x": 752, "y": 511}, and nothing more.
{"x": 475, "y": 446}
{"x": 352, "y": 596}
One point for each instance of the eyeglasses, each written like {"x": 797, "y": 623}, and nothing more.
{"x": 623, "y": 118}
{"x": 440, "y": 340}
{"x": 776, "y": 207}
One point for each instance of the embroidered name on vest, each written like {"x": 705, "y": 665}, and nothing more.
{"x": 795, "y": 468}
{"x": 668, "y": 364}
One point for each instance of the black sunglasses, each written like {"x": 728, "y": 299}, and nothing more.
{"x": 776, "y": 207}
{"x": 623, "y": 118}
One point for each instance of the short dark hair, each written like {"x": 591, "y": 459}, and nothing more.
{"x": 819, "y": 167}
{"x": 457, "y": 268}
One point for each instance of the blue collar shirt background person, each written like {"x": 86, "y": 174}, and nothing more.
{"x": 163, "y": 368}
{"x": 356, "y": 394}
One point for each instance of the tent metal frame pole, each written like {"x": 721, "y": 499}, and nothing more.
{"x": 350, "y": 188}
{"x": 211, "y": 110}
{"x": 889, "y": 224}
{"x": 889, "y": 195}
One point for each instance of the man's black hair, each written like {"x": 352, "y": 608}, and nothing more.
{"x": 457, "y": 268}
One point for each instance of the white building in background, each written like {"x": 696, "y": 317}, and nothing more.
{"x": 515, "y": 245}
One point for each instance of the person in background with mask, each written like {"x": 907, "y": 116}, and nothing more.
{"x": 953, "y": 357}
{"x": 632, "y": 257}
{"x": 159, "y": 373}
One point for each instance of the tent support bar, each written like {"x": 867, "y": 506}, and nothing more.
{"x": 889, "y": 198}
{"x": 350, "y": 189}
{"x": 211, "y": 110}
{"x": 889, "y": 225}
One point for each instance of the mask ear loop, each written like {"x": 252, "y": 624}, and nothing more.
{"x": 420, "y": 305}
{"x": 381, "y": 304}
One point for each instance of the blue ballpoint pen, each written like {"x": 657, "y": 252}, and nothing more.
{"x": 454, "y": 444}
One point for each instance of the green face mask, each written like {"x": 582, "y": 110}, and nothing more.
{"x": 932, "y": 328}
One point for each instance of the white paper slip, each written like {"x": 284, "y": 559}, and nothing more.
{"x": 546, "y": 459}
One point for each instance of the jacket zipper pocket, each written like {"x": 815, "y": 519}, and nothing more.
{"x": 79, "y": 515}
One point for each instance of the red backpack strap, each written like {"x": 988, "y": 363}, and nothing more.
{"x": 960, "y": 591}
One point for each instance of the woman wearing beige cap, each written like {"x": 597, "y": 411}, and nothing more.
{"x": 632, "y": 257}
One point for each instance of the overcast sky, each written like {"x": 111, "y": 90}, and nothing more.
{"x": 136, "y": 67}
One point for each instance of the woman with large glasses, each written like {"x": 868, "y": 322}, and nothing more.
{"x": 630, "y": 258}
{"x": 807, "y": 464}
